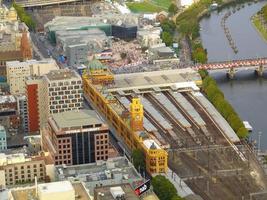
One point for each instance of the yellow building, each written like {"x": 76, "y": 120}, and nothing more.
{"x": 117, "y": 101}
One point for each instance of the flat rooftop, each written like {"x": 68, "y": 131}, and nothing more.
{"x": 114, "y": 171}
{"x": 154, "y": 79}
{"x": 62, "y": 74}
{"x": 54, "y": 187}
{"x": 106, "y": 190}
{"x": 76, "y": 118}
{"x": 7, "y": 99}
{"x": 29, "y": 192}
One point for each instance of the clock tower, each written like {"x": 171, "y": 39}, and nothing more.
{"x": 137, "y": 114}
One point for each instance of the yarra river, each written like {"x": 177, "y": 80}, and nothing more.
{"x": 247, "y": 93}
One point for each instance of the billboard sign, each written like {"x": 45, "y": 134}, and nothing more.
{"x": 142, "y": 188}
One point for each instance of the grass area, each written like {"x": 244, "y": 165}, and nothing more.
{"x": 259, "y": 26}
{"x": 148, "y": 6}
{"x": 165, "y": 4}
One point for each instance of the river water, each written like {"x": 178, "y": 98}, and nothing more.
{"x": 247, "y": 93}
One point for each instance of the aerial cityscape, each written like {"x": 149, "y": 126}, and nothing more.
{"x": 133, "y": 100}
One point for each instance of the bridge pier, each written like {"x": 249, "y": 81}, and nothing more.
{"x": 260, "y": 70}
{"x": 231, "y": 73}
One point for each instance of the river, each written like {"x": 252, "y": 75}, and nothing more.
{"x": 247, "y": 93}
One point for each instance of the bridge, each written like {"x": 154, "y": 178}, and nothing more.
{"x": 258, "y": 65}
{"x": 36, "y": 3}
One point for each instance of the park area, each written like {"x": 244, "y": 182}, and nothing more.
{"x": 149, "y": 6}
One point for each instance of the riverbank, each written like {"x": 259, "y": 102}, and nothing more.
{"x": 259, "y": 26}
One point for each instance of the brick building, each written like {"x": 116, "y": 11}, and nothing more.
{"x": 75, "y": 137}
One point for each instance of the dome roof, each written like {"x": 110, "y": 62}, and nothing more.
{"x": 95, "y": 64}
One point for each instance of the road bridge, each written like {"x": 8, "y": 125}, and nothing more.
{"x": 231, "y": 67}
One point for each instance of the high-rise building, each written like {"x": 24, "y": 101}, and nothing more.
{"x": 64, "y": 90}
{"x": 55, "y": 92}
{"x": 75, "y": 137}
{"x": 22, "y": 108}
{"x": 37, "y": 103}
{"x": 3, "y": 144}
{"x": 18, "y": 71}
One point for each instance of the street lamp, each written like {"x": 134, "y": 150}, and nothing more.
{"x": 259, "y": 141}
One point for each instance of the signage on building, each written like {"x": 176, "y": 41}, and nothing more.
{"x": 142, "y": 188}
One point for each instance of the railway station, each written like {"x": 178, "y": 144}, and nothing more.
{"x": 165, "y": 114}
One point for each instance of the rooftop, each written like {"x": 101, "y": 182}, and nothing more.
{"x": 54, "y": 187}
{"x": 110, "y": 192}
{"x": 30, "y": 192}
{"x": 76, "y": 118}
{"x": 7, "y": 99}
{"x": 62, "y": 74}
{"x": 27, "y": 63}
{"x": 154, "y": 79}
{"x": 114, "y": 171}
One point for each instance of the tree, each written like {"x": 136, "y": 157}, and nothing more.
{"x": 203, "y": 73}
{"x": 168, "y": 26}
{"x": 176, "y": 197}
{"x": 173, "y": 8}
{"x": 167, "y": 38}
{"x": 242, "y": 132}
{"x": 163, "y": 188}
{"x": 200, "y": 55}
{"x": 138, "y": 159}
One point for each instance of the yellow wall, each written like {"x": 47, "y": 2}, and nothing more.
{"x": 156, "y": 160}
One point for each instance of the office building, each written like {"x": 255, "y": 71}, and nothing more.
{"x": 3, "y": 144}
{"x": 64, "y": 88}
{"x": 37, "y": 103}
{"x": 23, "y": 113}
{"x": 18, "y": 71}
{"x": 75, "y": 137}
{"x": 55, "y": 92}
{"x": 20, "y": 168}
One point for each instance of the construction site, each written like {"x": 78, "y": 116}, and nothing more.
{"x": 202, "y": 148}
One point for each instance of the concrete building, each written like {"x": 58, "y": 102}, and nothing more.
{"x": 19, "y": 168}
{"x": 55, "y": 92}
{"x": 149, "y": 36}
{"x": 75, "y": 137}
{"x": 9, "y": 114}
{"x": 63, "y": 190}
{"x": 37, "y": 103}
{"x": 77, "y": 54}
{"x": 18, "y": 71}
{"x": 64, "y": 88}
{"x": 22, "y": 108}
{"x": 114, "y": 171}
{"x": 3, "y": 143}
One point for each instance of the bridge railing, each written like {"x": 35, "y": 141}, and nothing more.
{"x": 232, "y": 64}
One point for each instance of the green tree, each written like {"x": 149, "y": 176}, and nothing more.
{"x": 172, "y": 9}
{"x": 200, "y": 55}
{"x": 168, "y": 26}
{"x": 163, "y": 188}
{"x": 138, "y": 159}
{"x": 176, "y": 197}
{"x": 242, "y": 132}
{"x": 167, "y": 38}
{"x": 203, "y": 73}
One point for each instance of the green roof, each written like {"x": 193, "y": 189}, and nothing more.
{"x": 96, "y": 64}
